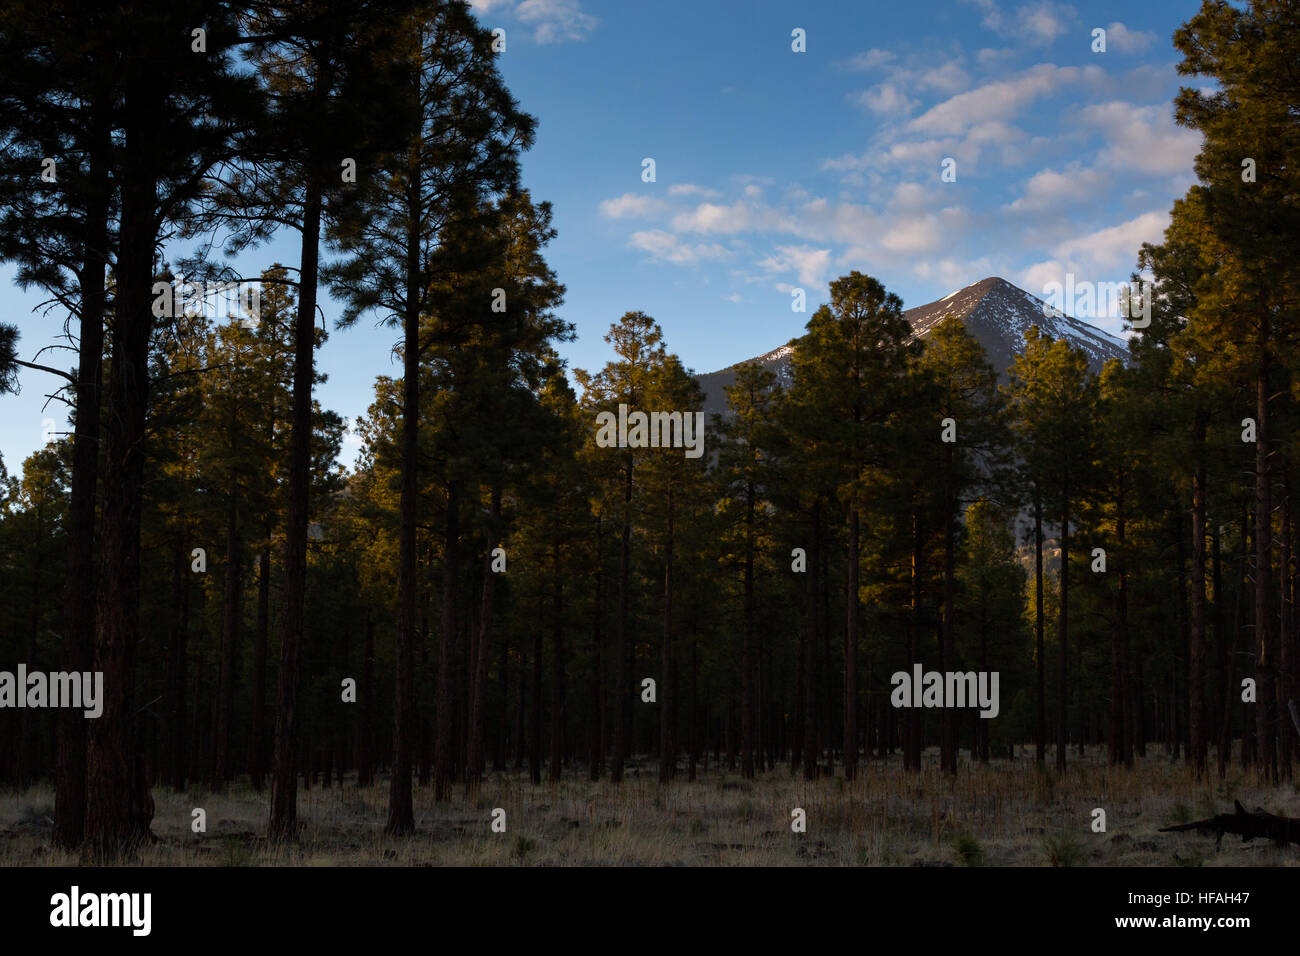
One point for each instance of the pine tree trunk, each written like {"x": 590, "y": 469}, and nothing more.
{"x": 621, "y": 648}
{"x": 284, "y": 775}
{"x": 176, "y": 691}
{"x": 692, "y": 725}
{"x": 257, "y": 747}
{"x": 1121, "y": 598}
{"x": 913, "y": 744}
{"x": 26, "y": 736}
{"x": 851, "y": 649}
{"x": 949, "y": 654}
{"x": 117, "y": 816}
{"x": 79, "y": 592}
{"x": 667, "y": 692}
{"x": 477, "y": 752}
{"x": 746, "y": 650}
{"x": 401, "y": 813}
{"x": 810, "y": 663}
{"x": 535, "y": 721}
{"x": 1062, "y": 632}
{"x": 799, "y": 713}
{"x": 1222, "y": 710}
{"x": 1040, "y": 702}
{"x": 1264, "y": 666}
{"x": 229, "y": 639}
{"x": 447, "y": 656}
{"x": 1285, "y": 732}
{"x": 366, "y": 754}
{"x": 596, "y": 761}
{"x": 1197, "y": 738}
{"x": 557, "y": 665}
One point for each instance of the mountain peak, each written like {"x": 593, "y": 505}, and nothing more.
{"x": 999, "y": 313}
{"x": 995, "y": 311}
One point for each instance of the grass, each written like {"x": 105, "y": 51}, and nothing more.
{"x": 968, "y": 849}
{"x": 1006, "y": 813}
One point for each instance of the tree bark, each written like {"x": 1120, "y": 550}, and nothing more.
{"x": 366, "y": 755}
{"x": 621, "y": 649}
{"x": 477, "y": 761}
{"x": 177, "y": 731}
{"x": 667, "y": 692}
{"x": 1264, "y": 666}
{"x": 747, "y": 643}
{"x": 810, "y": 664}
{"x": 851, "y": 649}
{"x": 118, "y": 810}
{"x": 229, "y": 638}
{"x": 1062, "y": 631}
{"x": 257, "y": 745}
{"x": 912, "y": 746}
{"x": 557, "y": 665}
{"x": 1197, "y": 738}
{"x": 284, "y": 776}
{"x": 447, "y": 657}
{"x": 1040, "y": 702}
{"x": 79, "y": 593}
{"x": 949, "y": 654}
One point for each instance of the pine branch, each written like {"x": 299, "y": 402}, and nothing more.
{"x": 1258, "y": 823}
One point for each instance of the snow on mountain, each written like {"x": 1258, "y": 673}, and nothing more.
{"x": 996, "y": 312}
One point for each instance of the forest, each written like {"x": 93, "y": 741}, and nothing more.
{"x": 497, "y": 588}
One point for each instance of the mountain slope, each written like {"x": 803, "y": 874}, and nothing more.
{"x": 996, "y": 312}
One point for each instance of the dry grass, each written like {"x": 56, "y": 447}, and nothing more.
{"x": 1003, "y": 814}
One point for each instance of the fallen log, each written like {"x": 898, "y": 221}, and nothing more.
{"x": 1258, "y": 823}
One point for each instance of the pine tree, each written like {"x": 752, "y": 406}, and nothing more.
{"x": 743, "y": 463}
{"x": 1053, "y": 395}
{"x": 848, "y": 371}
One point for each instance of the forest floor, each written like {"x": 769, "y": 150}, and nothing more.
{"x": 1001, "y": 814}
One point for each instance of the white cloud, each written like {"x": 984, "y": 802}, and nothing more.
{"x": 916, "y": 152}
{"x": 1143, "y": 138}
{"x": 630, "y": 204}
{"x": 810, "y": 264}
{"x": 1124, "y": 40}
{"x": 953, "y": 274}
{"x": 737, "y": 217}
{"x": 870, "y": 60}
{"x": 1001, "y": 100}
{"x": 914, "y": 235}
{"x": 910, "y": 197}
{"x": 1044, "y": 21}
{"x": 553, "y": 21}
{"x": 666, "y": 247}
{"x": 1035, "y": 278}
{"x": 991, "y": 59}
{"x": 948, "y": 78}
{"x": 925, "y": 233}
{"x": 1049, "y": 189}
{"x": 690, "y": 189}
{"x": 734, "y": 297}
{"x": 823, "y": 221}
{"x": 886, "y": 99}
{"x": 1039, "y": 22}
{"x": 1116, "y": 246}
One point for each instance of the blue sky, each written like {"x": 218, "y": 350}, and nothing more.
{"x": 777, "y": 169}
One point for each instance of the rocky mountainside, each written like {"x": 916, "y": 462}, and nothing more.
{"x": 996, "y": 312}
